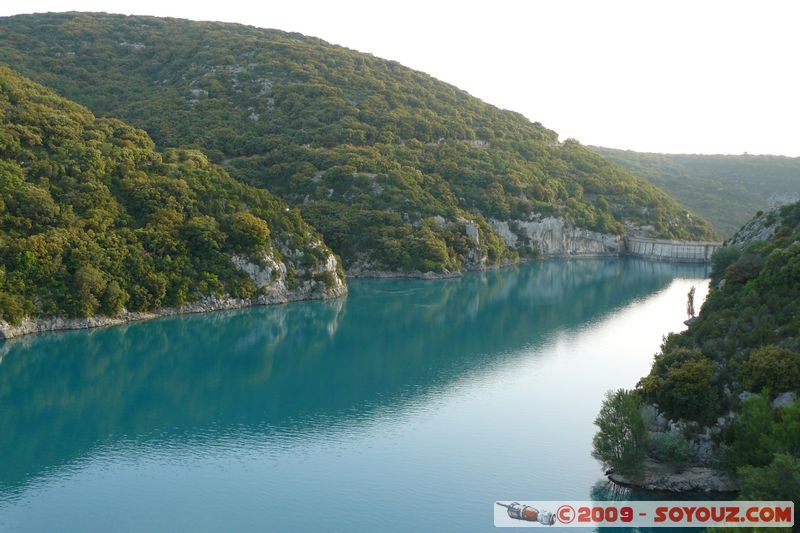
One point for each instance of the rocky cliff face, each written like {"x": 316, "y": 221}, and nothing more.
{"x": 761, "y": 228}
{"x": 276, "y": 283}
{"x": 556, "y": 237}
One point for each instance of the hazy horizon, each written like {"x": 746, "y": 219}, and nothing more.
{"x": 674, "y": 78}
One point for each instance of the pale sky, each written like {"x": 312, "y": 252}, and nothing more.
{"x": 674, "y": 76}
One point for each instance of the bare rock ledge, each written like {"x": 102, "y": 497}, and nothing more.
{"x": 660, "y": 477}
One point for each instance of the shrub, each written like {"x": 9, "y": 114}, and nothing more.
{"x": 622, "y": 437}
{"x": 672, "y": 448}
{"x": 721, "y": 260}
{"x": 778, "y": 481}
{"x": 745, "y": 268}
{"x": 291, "y": 279}
{"x": 682, "y": 383}
{"x": 249, "y": 231}
{"x": 773, "y": 367}
{"x": 788, "y": 428}
{"x": 203, "y": 234}
{"x": 752, "y": 435}
{"x": 327, "y": 277}
{"x": 12, "y": 309}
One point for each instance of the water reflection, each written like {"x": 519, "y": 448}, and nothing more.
{"x": 311, "y": 365}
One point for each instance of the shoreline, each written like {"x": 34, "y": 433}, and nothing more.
{"x": 32, "y": 326}
{"x": 659, "y": 477}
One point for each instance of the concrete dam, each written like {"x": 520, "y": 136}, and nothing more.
{"x": 668, "y": 250}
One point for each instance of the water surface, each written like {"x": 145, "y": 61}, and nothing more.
{"x": 408, "y": 406}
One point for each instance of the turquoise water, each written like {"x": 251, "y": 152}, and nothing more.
{"x": 407, "y": 406}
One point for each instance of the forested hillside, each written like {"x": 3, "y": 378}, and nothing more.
{"x": 725, "y": 189}
{"x": 398, "y": 170}
{"x": 94, "y": 220}
{"x": 731, "y": 380}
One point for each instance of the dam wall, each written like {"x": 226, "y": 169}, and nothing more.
{"x": 667, "y": 250}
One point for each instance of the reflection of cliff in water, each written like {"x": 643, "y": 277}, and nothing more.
{"x": 278, "y": 368}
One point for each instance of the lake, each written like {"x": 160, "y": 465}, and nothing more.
{"x": 407, "y": 406}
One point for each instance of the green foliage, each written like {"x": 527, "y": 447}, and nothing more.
{"x": 777, "y": 481}
{"x": 752, "y": 435}
{"x": 672, "y": 448}
{"x": 202, "y": 233}
{"x": 249, "y": 231}
{"x": 115, "y": 298}
{"x": 745, "y": 268}
{"x": 94, "y": 220}
{"x": 621, "y": 440}
{"x": 773, "y": 367}
{"x": 747, "y": 331}
{"x": 759, "y": 432}
{"x": 725, "y": 189}
{"x": 683, "y": 384}
{"x": 12, "y": 309}
{"x": 721, "y": 259}
{"x": 746, "y": 338}
{"x": 369, "y": 151}
{"x": 291, "y": 278}
{"x": 89, "y": 285}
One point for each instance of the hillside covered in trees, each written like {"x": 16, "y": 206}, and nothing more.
{"x": 396, "y": 169}
{"x": 725, "y": 189}
{"x": 94, "y": 220}
{"x": 731, "y": 380}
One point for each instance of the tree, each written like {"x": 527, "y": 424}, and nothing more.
{"x": 114, "y": 299}
{"x": 89, "y": 285}
{"x": 622, "y": 438}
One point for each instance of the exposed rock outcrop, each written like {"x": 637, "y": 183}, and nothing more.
{"x": 476, "y": 258}
{"x": 556, "y": 237}
{"x": 760, "y": 228}
{"x": 661, "y": 477}
{"x": 784, "y": 400}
